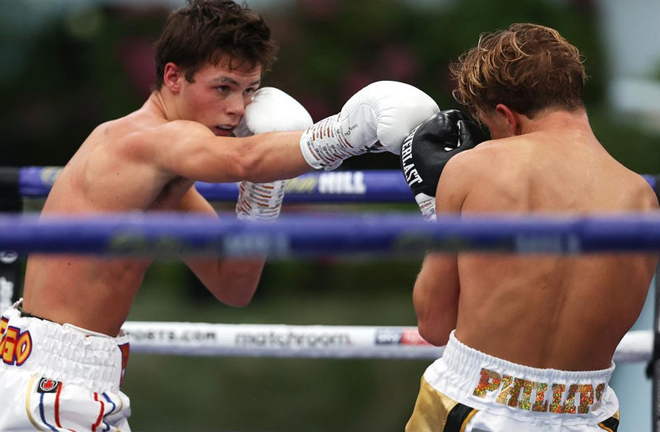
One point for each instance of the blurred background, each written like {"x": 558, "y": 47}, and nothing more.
{"x": 68, "y": 65}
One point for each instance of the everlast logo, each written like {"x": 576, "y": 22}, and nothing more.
{"x": 409, "y": 170}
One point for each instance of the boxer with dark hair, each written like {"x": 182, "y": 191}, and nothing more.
{"x": 62, "y": 346}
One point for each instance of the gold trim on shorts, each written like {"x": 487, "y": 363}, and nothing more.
{"x": 436, "y": 412}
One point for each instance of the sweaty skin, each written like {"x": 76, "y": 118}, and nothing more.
{"x": 149, "y": 161}
{"x": 544, "y": 311}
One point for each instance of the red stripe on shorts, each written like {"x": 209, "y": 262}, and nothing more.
{"x": 57, "y": 405}
{"x": 98, "y": 420}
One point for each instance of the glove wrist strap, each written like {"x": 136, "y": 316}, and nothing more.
{"x": 323, "y": 144}
{"x": 427, "y": 206}
{"x": 260, "y": 201}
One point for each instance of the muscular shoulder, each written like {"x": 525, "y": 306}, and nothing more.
{"x": 460, "y": 174}
{"x": 177, "y": 128}
{"x": 628, "y": 189}
{"x": 145, "y": 140}
{"x": 482, "y": 162}
{"x": 493, "y": 170}
{"x": 647, "y": 195}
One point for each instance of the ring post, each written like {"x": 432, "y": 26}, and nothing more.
{"x": 653, "y": 371}
{"x": 10, "y": 266}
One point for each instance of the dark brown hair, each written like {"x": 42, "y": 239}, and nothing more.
{"x": 208, "y": 31}
{"x": 527, "y": 67}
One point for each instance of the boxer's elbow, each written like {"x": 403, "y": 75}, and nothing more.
{"x": 436, "y": 315}
{"x": 237, "y": 301}
{"x": 236, "y": 282}
{"x": 433, "y": 322}
{"x": 235, "y": 296}
{"x": 433, "y": 333}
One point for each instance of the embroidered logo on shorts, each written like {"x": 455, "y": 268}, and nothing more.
{"x": 47, "y": 385}
{"x": 535, "y": 396}
{"x": 15, "y": 346}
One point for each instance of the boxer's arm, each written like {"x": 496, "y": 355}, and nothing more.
{"x": 437, "y": 288}
{"x": 376, "y": 118}
{"x": 190, "y": 150}
{"x": 231, "y": 281}
{"x": 235, "y": 281}
{"x": 435, "y": 297}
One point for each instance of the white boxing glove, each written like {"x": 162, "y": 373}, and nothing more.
{"x": 271, "y": 110}
{"x": 375, "y": 119}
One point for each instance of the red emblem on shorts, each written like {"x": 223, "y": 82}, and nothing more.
{"x": 47, "y": 385}
{"x": 125, "y": 350}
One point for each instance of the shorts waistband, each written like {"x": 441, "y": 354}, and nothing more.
{"x": 61, "y": 352}
{"x": 21, "y": 311}
{"x": 467, "y": 361}
{"x": 482, "y": 381}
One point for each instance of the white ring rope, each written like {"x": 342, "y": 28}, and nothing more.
{"x": 315, "y": 341}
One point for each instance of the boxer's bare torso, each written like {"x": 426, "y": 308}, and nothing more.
{"x": 547, "y": 311}
{"x": 104, "y": 176}
{"x": 141, "y": 162}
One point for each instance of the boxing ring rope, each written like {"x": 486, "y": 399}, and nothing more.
{"x": 381, "y": 186}
{"x": 167, "y": 235}
{"x": 287, "y": 341}
{"x": 373, "y": 186}
{"x": 291, "y": 341}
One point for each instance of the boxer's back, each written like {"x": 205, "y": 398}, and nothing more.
{"x": 562, "y": 312}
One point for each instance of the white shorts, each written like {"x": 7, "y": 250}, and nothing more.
{"x": 469, "y": 391}
{"x": 58, "y": 377}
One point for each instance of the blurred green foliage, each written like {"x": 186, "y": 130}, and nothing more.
{"x": 65, "y": 75}
{"x": 74, "y": 71}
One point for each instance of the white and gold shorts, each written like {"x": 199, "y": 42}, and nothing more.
{"x": 469, "y": 391}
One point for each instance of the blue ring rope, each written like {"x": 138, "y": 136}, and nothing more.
{"x": 167, "y": 235}
{"x": 372, "y": 186}
{"x": 377, "y": 186}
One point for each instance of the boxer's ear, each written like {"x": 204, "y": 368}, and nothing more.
{"x": 172, "y": 76}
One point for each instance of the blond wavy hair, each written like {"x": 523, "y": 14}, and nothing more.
{"x": 527, "y": 67}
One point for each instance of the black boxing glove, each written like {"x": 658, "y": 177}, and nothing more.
{"x": 428, "y": 148}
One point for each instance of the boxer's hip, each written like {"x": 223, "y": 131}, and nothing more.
{"x": 64, "y": 353}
